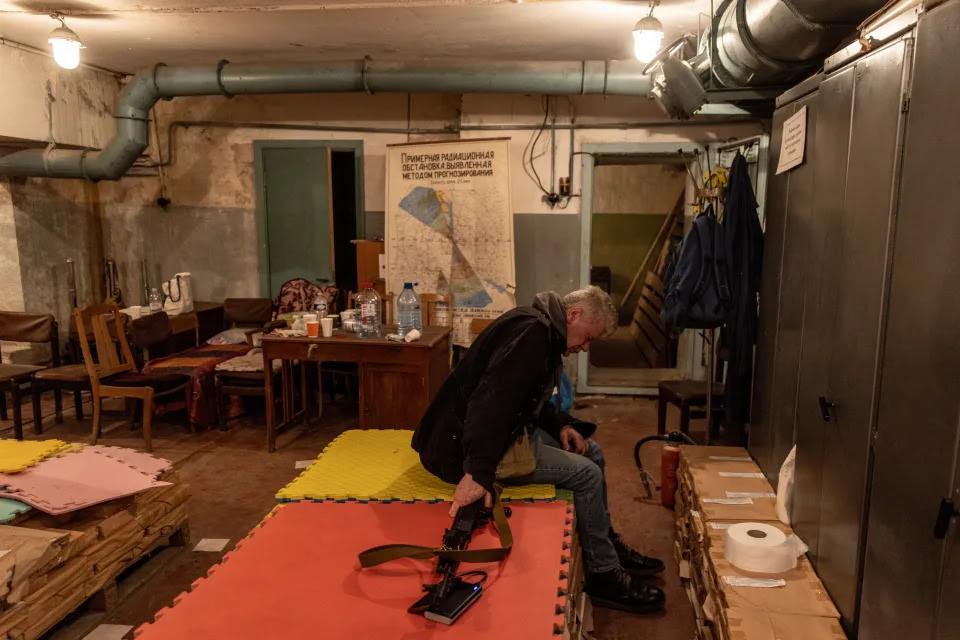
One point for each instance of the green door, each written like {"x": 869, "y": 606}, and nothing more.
{"x": 298, "y": 216}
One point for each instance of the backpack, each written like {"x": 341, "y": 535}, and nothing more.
{"x": 697, "y": 282}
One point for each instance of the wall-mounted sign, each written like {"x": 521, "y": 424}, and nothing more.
{"x": 794, "y": 141}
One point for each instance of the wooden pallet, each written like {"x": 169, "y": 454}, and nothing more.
{"x": 104, "y": 541}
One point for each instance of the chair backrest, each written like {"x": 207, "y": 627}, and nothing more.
{"x": 150, "y": 330}
{"x": 247, "y": 312}
{"x": 149, "y": 334}
{"x": 436, "y": 310}
{"x": 298, "y": 295}
{"x": 477, "y": 325}
{"x": 94, "y": 319}
{"x": 31, "y": 327}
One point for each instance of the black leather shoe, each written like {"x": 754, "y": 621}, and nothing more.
{"x": 634, "y": 562}
{"x": 617, "y": 589}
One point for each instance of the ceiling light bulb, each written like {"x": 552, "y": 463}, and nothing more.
{"x": 647, "y": 39}
{"x": 66, "y": 47}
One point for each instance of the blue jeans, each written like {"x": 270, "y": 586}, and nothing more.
{"x": 583, "y": 475}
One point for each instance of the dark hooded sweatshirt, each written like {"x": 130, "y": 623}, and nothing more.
{"x": 501, "y": 386}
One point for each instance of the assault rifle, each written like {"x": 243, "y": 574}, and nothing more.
{"x": 446, "y": 600}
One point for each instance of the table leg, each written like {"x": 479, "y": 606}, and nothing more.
{"x": 286, "y": 385}
{"x": 268, "y": 398}
{"x": 303, "y": 391}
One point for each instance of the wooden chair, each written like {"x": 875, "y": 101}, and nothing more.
{"x": 115, "y": 375}
{"x": 254, "y": 313}
{"x": 150, "y": 334}
{"x": 68, "y": 377}
{"x": 690, "y": 396}
{"x": 19, "y": 378}
{"x": 477, "y": 325}
{"x": 436, "y": 310}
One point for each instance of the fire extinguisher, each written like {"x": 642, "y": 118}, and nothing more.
{"x": 669, "y": 462}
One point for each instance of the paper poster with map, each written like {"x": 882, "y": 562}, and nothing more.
{"x": 449, "y": 226}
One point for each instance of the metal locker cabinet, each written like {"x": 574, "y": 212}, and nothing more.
{"x": 782, "y": 287}
{"x": 830, "y": 170}
{"x": 862, "y": 279}
{"x": 760, "y": 429}
{"x": 948, "y": 616}
{"x": 919, "y": 400}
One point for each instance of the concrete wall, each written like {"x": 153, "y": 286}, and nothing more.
{"x": 45, "y": 222}
{"x": 211, "y": 180}
{"x": 209, "y": 226}
{"x": 41, "y": 100}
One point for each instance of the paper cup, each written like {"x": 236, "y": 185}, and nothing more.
{"x": 313, "y": 328}
{"x": 327, "y": 324}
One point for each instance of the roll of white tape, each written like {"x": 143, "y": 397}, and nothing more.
{"x": 761, "y": 548}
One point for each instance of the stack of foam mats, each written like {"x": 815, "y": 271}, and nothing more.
{"x": 380, "y": 465}
{"x": 99, "y": 524}
{"x": 297, "y": 576}
{"x": 717, "y": 487}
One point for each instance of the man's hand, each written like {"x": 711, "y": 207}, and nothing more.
{"x": 468, "y": 492}
{"x": 571, "y": 440}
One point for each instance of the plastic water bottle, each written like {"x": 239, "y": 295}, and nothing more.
{"x": 408, "y": 310}
{"x": 156, "y": 302}
{"x": 368, "y": 301}
{"x": 320, "y": 306}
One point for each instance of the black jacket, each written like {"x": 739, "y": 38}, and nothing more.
{"x": 744, "y": 248}
{"x": 502, "y": 384}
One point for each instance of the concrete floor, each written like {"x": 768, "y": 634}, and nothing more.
{"x": 233, "y": 481}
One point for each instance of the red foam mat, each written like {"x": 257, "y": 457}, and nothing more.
{"x": 297, "y": 576}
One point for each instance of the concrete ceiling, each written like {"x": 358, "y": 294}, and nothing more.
{"x": 125, "y": 37}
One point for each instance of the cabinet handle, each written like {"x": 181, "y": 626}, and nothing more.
{"x": 827, "y": 409}
{"x": 946, "y": 513}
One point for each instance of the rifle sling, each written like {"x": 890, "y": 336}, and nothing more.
{"x": 387, "y": 552}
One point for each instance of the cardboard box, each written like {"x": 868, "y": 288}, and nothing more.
{"x": 803, "y": 594}
{"x": 759, "y": 625}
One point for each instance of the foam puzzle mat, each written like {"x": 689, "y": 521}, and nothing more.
{"x": 17, "y": 455}
{"x": 297, "y": 576}
{"x": 142, "y": 462}
{"x": 10, "y": 509}
{"x": 363, "y": 464}
{"x": 71, "y": 482}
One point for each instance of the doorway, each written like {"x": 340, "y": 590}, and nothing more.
{"x": 635, "y": 210}
{"x": 638, "y": 181}
{"x": 309, "y": 208}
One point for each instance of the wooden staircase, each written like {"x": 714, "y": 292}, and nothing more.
{"x": 657, "y": 344}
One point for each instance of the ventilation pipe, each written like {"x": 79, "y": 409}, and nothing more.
{"x": 763, "y": 42}
{"x": 757, "y": 43}
{"x": 162, "y": 82}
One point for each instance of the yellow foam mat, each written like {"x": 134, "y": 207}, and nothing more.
{"x": 17, "y": 455}
{"x": 381, "y": 465}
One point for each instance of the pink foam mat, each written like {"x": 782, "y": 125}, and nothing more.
{"x": 75, "y": 481}
{"x": 298, "y": 576}
{"x": 142, "y": 462}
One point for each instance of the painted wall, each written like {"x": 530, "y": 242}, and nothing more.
{"x": 620, "y": 241}
{"x": 208, "y": 227}
{"x": 630, "y": 203}
{"x": 210, "y": 177}
{"x": 42, "y": 101}
{"x": 44, "y": 222}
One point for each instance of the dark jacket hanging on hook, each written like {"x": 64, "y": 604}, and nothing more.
{"x": 744, "y": 250}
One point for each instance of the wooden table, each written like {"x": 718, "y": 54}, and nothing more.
{"x": 397, "y": 380}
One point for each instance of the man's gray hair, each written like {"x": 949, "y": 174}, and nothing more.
{"x": 596, "y": 306}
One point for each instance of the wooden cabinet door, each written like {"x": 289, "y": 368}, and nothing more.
{"x": 392, "y": 396}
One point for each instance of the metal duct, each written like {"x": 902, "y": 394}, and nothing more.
{"x": 764, "y": 42}
{"x": 146, "y": 87}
